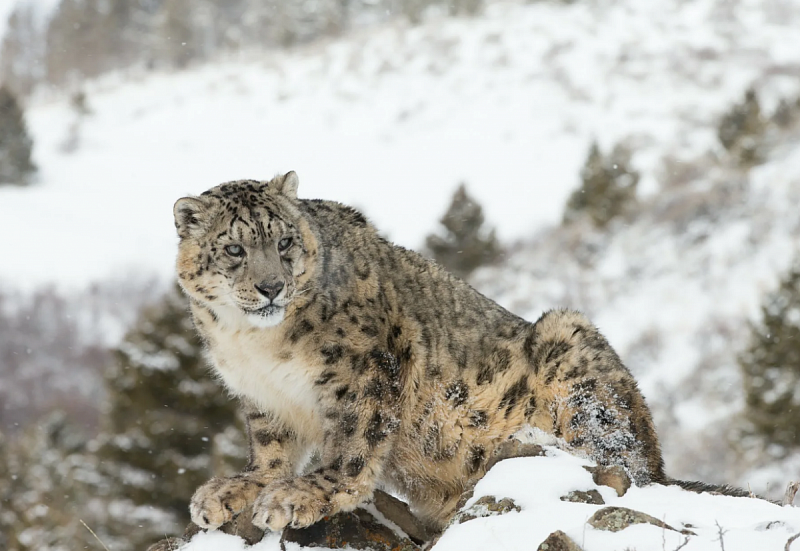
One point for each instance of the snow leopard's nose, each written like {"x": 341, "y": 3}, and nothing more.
{"x": 270, "y": 290}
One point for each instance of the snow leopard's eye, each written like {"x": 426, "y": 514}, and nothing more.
{"x": 284, "y": 244}
{"x": 234, "y": 250}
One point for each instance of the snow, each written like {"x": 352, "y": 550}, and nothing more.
{"x": 389, "y": 120}
{"x": 41, "y": 8}
{"x": 217, "y": 541}
{"x": 674, "y": 295}
{"x": 536, "y": 485}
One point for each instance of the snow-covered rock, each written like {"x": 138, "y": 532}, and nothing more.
{"x": 653, "y": 518}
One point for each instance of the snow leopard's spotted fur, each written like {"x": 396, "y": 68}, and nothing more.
{"x": 395, "y": 372}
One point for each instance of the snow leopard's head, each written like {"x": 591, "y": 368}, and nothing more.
{"x": 244, "y": 248}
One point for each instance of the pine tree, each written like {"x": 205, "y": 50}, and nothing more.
{"x": 771, "y": 366}
{"x": 48, "y": 486}
{"x": 741, "y": 131}
{"x": 8, "y": 518}
{"x": 608, "y": 187}
{"x": 466, "y": 245}
{"x": 786, "y": 114}
{"x": 166, "y": 414}
{"x": 16, "y": 166}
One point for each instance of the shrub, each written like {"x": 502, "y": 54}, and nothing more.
{"x": 742, "y": 130}
{"x": 16, "y": 166}
{"x": 466, "y": 245}
{"x": 608, "y": 187}
{"x": 165, "y": 412}
{"x": 771, "y": 366}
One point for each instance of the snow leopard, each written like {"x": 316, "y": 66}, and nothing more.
{"x": 390, "y": 371}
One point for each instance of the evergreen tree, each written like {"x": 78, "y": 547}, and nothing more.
{"x": 48, "y": 486}
{"x": 16, "y": 166}
{"x": 741, "y": 131}
{"x": 608, "y": 187}
{"x": 466, "y": 245}
{"x": 8, "y": 518}
{"x": 168, "y": 428}
{"x": 771, "y": 366}
{"x": 786, "y": 114}
{"x": 165, "y": 416}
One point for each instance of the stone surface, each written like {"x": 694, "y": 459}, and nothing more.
{"x": 169, "y": 544}
{"x": 514, "y": 448}
{"x": 558, "y": 541}
{"x": 358, "y": 530}
{"x": 614, "y": 519}
{"x": 612, "y": 476}
{"x": 487, "y": 506}
{"x": 507, "y": 450}
{"x": 592, "y": 497}
{"x": 354, "y": 530}
{"x": 398, "y": 512}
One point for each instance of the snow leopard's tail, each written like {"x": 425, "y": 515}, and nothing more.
{"x": 701, "y": 487}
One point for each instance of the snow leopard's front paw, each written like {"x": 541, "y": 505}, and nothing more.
{"x": 293, "y": 502}
{"x": 220, "y": 499}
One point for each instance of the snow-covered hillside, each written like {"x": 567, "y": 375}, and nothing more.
{"x": 674, "y": 290}
{"x": 536, "y": 486}
{"x": 390, "y": 120}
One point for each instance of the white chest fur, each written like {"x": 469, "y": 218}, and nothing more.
{"x": 248, "y": 362}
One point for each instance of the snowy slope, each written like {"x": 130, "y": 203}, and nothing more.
{"x": 674, "y": 290}
{"x": 390, "y": 120}
{"x": 536, "y": 485}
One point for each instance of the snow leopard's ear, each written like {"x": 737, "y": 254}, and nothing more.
{"x": 287, "y": 184}
{"x": 192, "y": 216}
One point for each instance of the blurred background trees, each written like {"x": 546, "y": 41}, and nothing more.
{"x": 742, "y": 129}
{"x": 771, "y": 366}
{"x": 16, "y": 166}
{"x": 49, "y": 485}
{"x": 167, "y": 427}
{"x": 608, "y": 187}
{"x": 87, "y": 38}
{"x": 131, "y": 446}
{"x": 466, "y": 243}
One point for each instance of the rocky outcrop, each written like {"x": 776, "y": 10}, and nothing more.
{"x": 558, "y": 541}
{"x": 487, "y": 506}
{"x": 358, "y": 529}
{"x": 241, "y": 526}
{"x": 614, "y": 519}
{"x": 612, "y": 476}
{"x": 591, "y": 497}
{"x": 355, "y": 530}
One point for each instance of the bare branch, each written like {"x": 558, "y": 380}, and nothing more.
{"x": 791, "y": 540}
{"x": 721, "y": 533}
{"x": 106, "y": 548}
